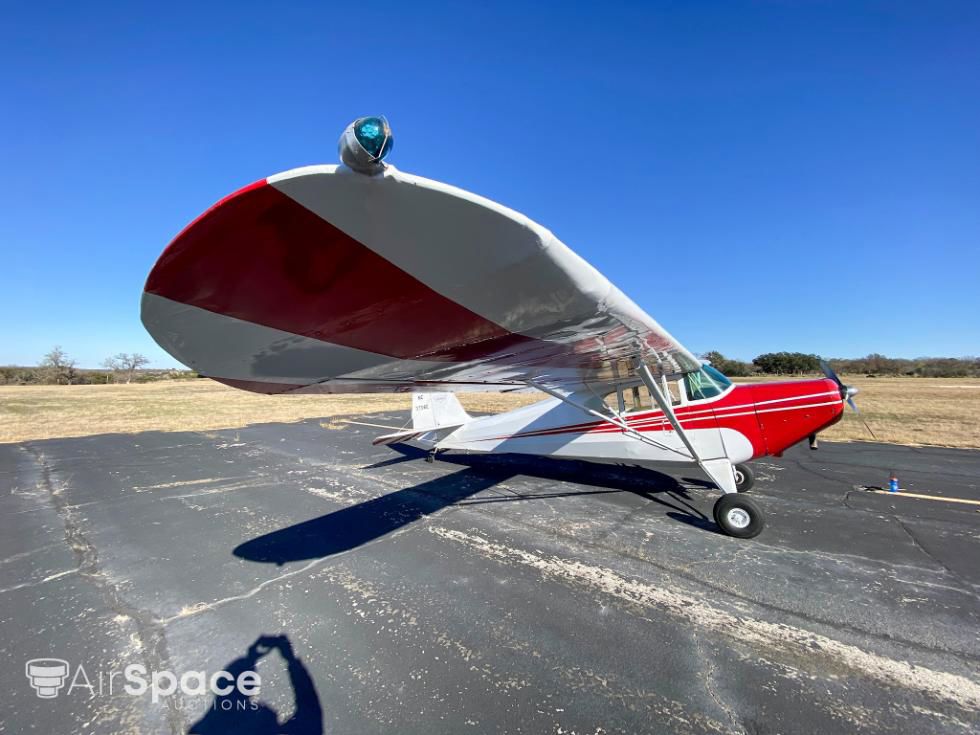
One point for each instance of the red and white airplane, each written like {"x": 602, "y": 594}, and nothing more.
{"x": 359, "y": 278}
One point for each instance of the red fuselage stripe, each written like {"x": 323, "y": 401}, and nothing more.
{"x": 655, "y": 420}
{"x": 790, "y": 410}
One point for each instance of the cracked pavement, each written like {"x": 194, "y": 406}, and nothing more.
{"x": 485, "y": 594}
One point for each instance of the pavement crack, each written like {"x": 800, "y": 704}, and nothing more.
{"x": 963, "y": 584}
{"x": 708, "y": 677}
{"x": 149, "y": 630}
{"x": 200, "y": 607}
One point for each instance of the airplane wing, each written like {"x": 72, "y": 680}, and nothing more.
{"x": 324, "y": 280}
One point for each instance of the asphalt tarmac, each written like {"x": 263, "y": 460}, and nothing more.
{"x": 374, "y": 592}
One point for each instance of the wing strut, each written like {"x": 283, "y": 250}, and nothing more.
{"x": 719, "y": 470}
{"x": 615, "y": 420}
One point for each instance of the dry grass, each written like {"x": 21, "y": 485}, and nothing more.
{"x": 901, "y": 410}
{"x": 44, "y": 412}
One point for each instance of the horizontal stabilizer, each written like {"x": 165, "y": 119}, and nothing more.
{"x": 397, "y": 437}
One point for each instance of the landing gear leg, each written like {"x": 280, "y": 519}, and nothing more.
{"x": 744, "y": 478}
{"x": 738, "y": 516}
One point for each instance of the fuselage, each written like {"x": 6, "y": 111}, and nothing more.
{"x": 742, "y": 423}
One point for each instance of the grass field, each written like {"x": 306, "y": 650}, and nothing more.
{"x": 936, "y": 411}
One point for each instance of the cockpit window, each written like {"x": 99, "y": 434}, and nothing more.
{"x": 706, "y": 383}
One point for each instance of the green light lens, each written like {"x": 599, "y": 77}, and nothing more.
{"x": 374, "y": 134}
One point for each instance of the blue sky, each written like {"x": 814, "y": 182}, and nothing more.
{"x": 757, "y": 175}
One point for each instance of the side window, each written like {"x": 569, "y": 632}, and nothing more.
{"x": 638, "y": 398}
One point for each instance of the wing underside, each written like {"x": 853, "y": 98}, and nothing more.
{"x": 323, "y": 280}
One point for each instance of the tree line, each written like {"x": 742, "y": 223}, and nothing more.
{"x": 800, "y": 363}
{"x": 57, "y": 368}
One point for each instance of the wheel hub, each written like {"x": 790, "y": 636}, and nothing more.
{"x": 739, "y": 518}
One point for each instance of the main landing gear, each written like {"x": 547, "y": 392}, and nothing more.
{"x": 738, "y": 516}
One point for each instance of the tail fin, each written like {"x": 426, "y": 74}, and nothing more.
{"x": 430, "y": 412}
{"x": 437, "y": 411}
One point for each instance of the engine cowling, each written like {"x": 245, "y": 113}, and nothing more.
{"x": 365, "y": 143}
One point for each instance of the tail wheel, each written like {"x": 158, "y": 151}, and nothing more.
{"x": 744, "y": 478}
{"x": 738, "y": 516}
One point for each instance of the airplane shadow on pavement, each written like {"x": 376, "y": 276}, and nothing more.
{"x": 243, "y": 715}
{"x": 350, "y": 527}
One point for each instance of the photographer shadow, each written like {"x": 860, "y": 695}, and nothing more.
{"x": 238, "y": 713}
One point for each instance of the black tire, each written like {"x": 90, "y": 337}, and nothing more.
{"x": 744, "y": 478}
{"x": 738, "y": 516}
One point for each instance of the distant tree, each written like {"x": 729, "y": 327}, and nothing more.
{"x": 111, "y": 366}
{"x": 58, "y": 367}
{"x": 127, "y": 364}
{"x": 731, "y": 368}
{"x": 770, "y": 363}
{"x": 787, "y": 363}
{"x": 922, "y": 367}
{"x": 715, "y": 358}
{"x": 13, "y": 375}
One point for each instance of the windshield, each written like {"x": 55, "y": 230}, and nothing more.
{"x": 706, "y": 383}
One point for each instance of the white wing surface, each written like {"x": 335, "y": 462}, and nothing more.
{"x": 324, "y": 280}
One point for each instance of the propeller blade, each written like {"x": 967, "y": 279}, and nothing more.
{"x": 829, "y": 372}
{"x": 846, "y": 392}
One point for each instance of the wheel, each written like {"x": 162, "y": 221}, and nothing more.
{"x": 744, "y": 478}
{"x": 738, "y": 516}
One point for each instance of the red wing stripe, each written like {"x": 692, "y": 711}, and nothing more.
{"x": 262, "y": 257}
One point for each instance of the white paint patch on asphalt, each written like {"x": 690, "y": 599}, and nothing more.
{"x": 49, "y": 578}
{"x": 183, "y": 483}
{"x": 937, "y": 684}
{"x": 339, "y": 492}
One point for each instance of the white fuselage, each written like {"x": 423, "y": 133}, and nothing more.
{"x": 555, "y": 428}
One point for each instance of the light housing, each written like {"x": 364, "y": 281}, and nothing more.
{"x": 365, "y": 143}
